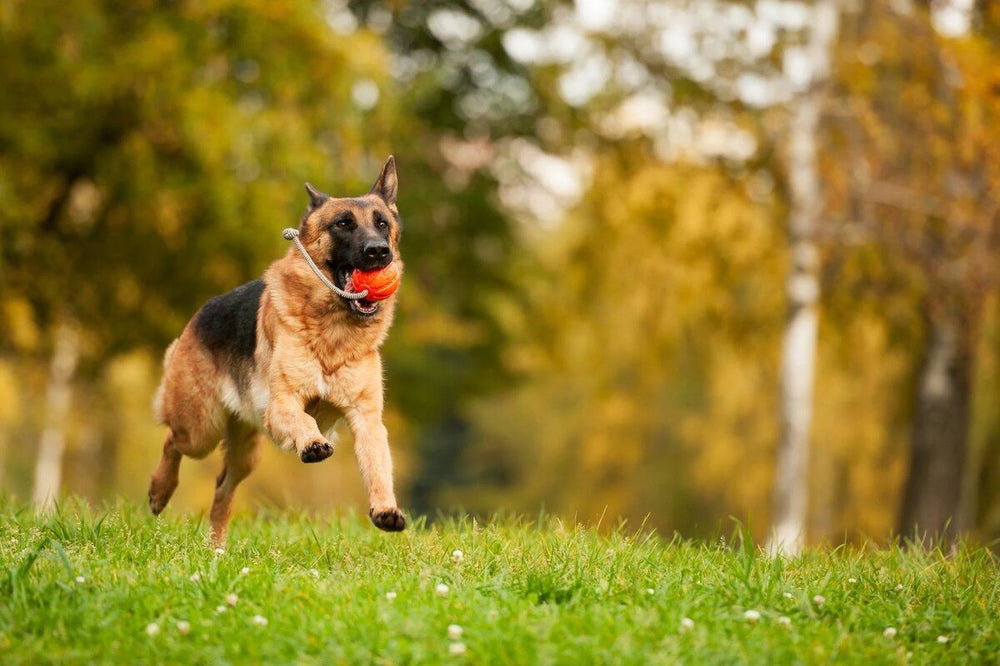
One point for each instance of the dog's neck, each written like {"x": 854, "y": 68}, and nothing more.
{"x": 306, "y": 307}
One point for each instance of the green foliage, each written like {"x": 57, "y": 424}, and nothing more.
{"x": 523, "y": 592}
{"x": 150, "y": 155}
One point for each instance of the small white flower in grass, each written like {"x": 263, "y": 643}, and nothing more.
{"x": 220, "y": 551}
{"x": 441, "y": 590}
{"x": 231, "y": 599}
{"x": 457, "y": 556}
{"x": 259, "y": 620}
{"x": 390, "y": 595}
{"x": 942, "y": 639}
{"x": 454, "y": 632}
{"x": 650, "y": 590}
{"x": 890, "y": 632}
{"x": 195, "y": 577}
{"x": 245, "y": 570}
{"x": 852, "y": 580}
{"x": 152, "y": 629}
{"x": 314, "y": 573}
{"x": 80, "y": 579}
{"x": 220, "y": 609}
{"x": 899, "y": 588}
{"x": 183, "y": 628}
{"x": 752, "y": 615}
{"x": 819, "y": 600}
{"x": 789, "y": 595}
{"x": 456, "y": 648}
{"x": 687, "y": 624}
{"x": 785, "y": 621}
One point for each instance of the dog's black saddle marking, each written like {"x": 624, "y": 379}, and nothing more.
{"x": 228, "y": 323}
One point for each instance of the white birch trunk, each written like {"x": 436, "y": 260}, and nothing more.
{"x": 52, "y": 443}
{"x": 791, "y": 478}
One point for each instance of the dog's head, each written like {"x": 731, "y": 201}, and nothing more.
{"x": 342, "y": 234}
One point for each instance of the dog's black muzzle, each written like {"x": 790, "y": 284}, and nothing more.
{"x": 375, "y": 254}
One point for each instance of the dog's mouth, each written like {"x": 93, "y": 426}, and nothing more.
{"x": 362, "y": 306}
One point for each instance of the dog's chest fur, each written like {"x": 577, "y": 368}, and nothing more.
{"x": 326, "y": 354}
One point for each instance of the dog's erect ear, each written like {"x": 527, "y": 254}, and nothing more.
{"x": 387, "y": 183}
{"x": 316, "y": 198}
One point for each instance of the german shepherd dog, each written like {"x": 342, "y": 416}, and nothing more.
{"x": 287, "y": 356}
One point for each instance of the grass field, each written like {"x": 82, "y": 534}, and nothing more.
{"x": 117, "y": 586}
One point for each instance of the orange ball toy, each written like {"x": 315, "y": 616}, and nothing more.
{"x": 381, "y": 284}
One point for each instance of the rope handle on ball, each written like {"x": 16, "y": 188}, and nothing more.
{"x": 293, "y": 235}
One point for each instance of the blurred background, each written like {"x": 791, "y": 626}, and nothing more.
{"x": 670, "y": 261}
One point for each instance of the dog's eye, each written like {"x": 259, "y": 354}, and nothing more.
{"x": 345, "y": 221}
{"x": 380, "y": 222}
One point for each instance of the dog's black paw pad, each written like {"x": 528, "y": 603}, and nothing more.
{"x": 316, "y": 452}
{"x": 390, "y": 520}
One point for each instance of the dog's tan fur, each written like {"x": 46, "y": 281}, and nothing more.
{"x": 314, "y": 362}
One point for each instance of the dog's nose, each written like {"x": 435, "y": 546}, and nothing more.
{"x": 376, "y": 251}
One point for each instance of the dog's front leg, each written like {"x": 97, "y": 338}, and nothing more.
{"x": 371, "y": 446}
{"x": 292, "y": 429}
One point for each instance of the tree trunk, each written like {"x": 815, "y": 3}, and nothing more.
{"x": 791, "y": 487}
{"x": 940, "y": 436}
{"x": 52, "y": 444}
{"x": 791, "y": 482}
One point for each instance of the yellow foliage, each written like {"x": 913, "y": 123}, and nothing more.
{"x": 10, "y": 397}
{"x": 18, "y": 323}
{"x": 858, "y": 464}
{"x": 654, "y": 252}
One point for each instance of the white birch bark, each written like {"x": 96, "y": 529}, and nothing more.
{"x": 52, "y": 443}
{"x": 791, "y": 478}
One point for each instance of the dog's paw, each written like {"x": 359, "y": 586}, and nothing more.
{"x": 316, "y": 452}
{"x": 156, "y": 504}
{"x": 390, "y": 520}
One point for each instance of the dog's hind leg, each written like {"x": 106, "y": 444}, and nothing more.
{"x": 242, "y": 454}
{"x": 179, "y": 443}
{"x": 164, "y": 481}
{"x": 185, "y": 403}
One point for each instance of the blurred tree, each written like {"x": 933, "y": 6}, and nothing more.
{"x": 706, "y": 73}
{"x": 791, "y": 476}
{"x": 933, "y": 206}
{"x": 982, "y": 502}
{"x": 615, "y": 348}
{"x": 52, "y": 443}
{"x": 150, "y": 149}
{"x": 9, "y": 408}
